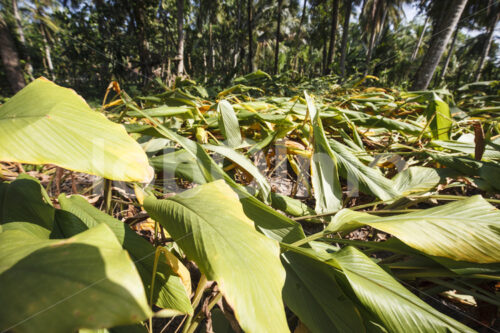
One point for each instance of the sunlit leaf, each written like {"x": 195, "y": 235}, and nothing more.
{"x": 45, "y": 123}
{"x": 209, "y": 224}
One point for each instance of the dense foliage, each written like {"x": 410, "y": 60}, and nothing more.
{"x": 353, "y": 189}
{"x": 86, "y": 44}
{"x": 343, "y": 209}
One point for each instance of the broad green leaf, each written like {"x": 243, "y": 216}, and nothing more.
{"x": 395, "y": 306}
{"x": 87, "y": 281}
{"x": 24, "y": 201}
{"x": 290, "y": 205}
{"x": 209, "y": 224}
{"x": 269, "y": 221}
{"x": 365, "y": 120}
{"x": 246, "y": 164}
{"x": 169, "y": 290}
{"x": 324, "y": 170}
{"x": 346, "y": 220}
{"x": 369, "y": 180}
{"x": 417, "y": 179}
{"x": 30, "y": 228}
{"x": 48, "y": 124}
{"x": 179, "y": 164}
{"x": 464, "y": 230}
{"x": 162, "y": 111}
{"x": 469, "y": 148}
{"x": 228, "y": 123}
{"x": 488, "y": 171}
{"x": 438, "y": 113}
{"x": 313, "y": 294}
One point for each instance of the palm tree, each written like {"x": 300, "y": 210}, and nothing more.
{"x": 250, "y": 36}
{"x": 180, "y": 37}
{"x": 22, "y": 39}
{"x": 10, "y": 58}
{"x": 420, "y": 40}
{"x": 333, "y": 34}
{"x": 450, "y": 52}
{"x": 374, "y": 17}
{"x": 345, "y": 34}
{"x": 445, "y": 20}
{"x": 277, "y": 47}
{"x": 491, "y": 18}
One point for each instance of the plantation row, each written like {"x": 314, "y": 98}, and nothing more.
{"x": 266, "y": 207}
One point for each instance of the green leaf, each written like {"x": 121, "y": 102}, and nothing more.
{"x": 290, "y": 205}
{"x": 87, "y": 281}
{"x": 228, "y": 123}
{"x": 438, "y": 112}
{"x": 370, "y": 180}
{"x": 313, "y": 294}
{"x": 417, "y": 179}
{"x": 270, "y": 222}
{"x": 48, "y": 124}
{"x": 23, "y": 201}
{"x": 324, "y": 172}
{"x": 179, "y": 164}
{"x": 490, "y": 151}
{"x": 209, "y": 224}
{"x": 465, "y": 230}
{"x": 395, "y": 306}
{"x": 246, "y": 164}
{"x": 169, "y": 290}
{"x": 162, "y": 111}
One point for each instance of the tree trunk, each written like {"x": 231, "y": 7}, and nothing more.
{"x": 143, "y": 42}
{"x": 450, "y": 52}
{"x": 250, "y": 37}
{"x": 370, "y": 49}
{"x": 420, "y": 39}
{"x": 48, "y": 56}
{"x": 345, "y": 34}
{"x": 439, "y": 40}
{"x": 325, "y": 56}
{"x": 277, "y": 47}
{"x": 333, "y": 34}
{"x": 10, "y": 59}
{"x": 180, "y": 40}
{"x": 486, "y": 48}
{"x": 20, "y": 33}
{"x": 302, "y": 17}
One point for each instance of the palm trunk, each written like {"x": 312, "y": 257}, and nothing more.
{"x": 277, "y": 47}
{"x": 239, "y": 46}
{"x": 48, "y": 56}
{"x": 325, "y": 55}
{"x": 333, "y": 34}
{"x": 302, "y": 17}
{"x": 486, "y": 49}
{"x": 370, "y": 49}
{"x": 10, "y": 59}
{"x": 450, "y": 52}
{"x": 211, "y": 54}
{"x": 20, "y": 33}
{"x": 250, "y": 37}
{"x": 439, "y": 40}
{"x": 420, "y": 39}
{"x": 180, "y": 40}
{"x": 345, "y": 34}
{"x": 143, "y": 43}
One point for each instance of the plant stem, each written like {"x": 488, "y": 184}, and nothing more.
{"x": 201, "y": 315}
{"x": 108, "y": 189}
{"x": 450, "y": 197}
{"x": 196, "y": 299}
